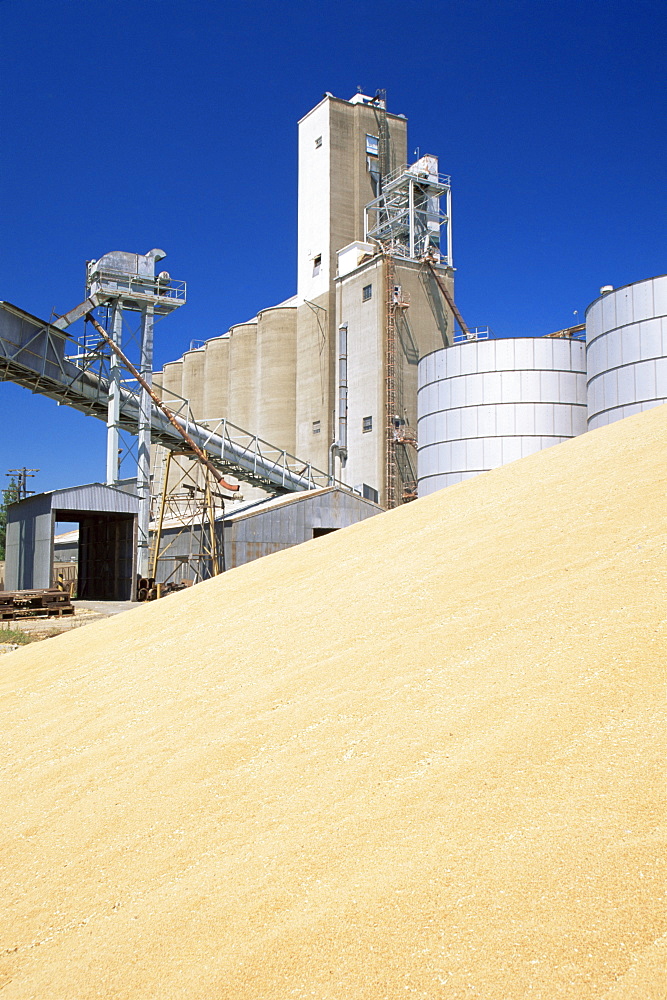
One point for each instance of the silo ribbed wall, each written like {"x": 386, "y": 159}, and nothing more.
{"x": 216, "y": 378}
{"x": 193, "y": 380}
{"x": 276, "y": 377}
{"x": 626, "y": 334}
{"x": 242, "y": 375}
{"x": 485, "y": 403}
{"x": 171, "y": 380}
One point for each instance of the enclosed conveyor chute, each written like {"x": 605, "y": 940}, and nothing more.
{"x": 44, "y": 359}
{"x": 169, "y": 414}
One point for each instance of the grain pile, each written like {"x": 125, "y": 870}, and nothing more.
{"x": 418, "y": 758}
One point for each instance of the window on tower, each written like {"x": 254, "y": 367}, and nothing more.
{"x": 372, "y": 145}
{"x": 366, "y": 293}
{"x": 318, "y": 142}
{"x": 317, "y": 263}
{"x": 366, "y": 424}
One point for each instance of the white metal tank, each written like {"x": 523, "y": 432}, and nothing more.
{"x": 484, "y": 403}
{"x": 626, "y": 337}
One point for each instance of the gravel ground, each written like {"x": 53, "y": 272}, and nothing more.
{"x": 85, "y": 613}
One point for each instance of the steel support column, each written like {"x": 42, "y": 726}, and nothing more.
{"x": 113, "y": 408}
{"x": 145, "y": 368}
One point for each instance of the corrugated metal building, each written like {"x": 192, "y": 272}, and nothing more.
{"x": 257, "y": 529}
{"x": 276, "y": 524}
{"x": 107, "y": 520}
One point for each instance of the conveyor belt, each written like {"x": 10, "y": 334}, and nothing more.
{"x": 48, "y": 361}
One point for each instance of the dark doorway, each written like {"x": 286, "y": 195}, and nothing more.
{"x": 106, "y": 551}
{"x": 105, "y": 554}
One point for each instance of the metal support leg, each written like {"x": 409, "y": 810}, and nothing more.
{"x": 113, "y": 407}
{"x": 144, "y": 442}
{"x": 450, "y": 257}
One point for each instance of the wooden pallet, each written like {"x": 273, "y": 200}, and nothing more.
{"x": 34, "y": 603}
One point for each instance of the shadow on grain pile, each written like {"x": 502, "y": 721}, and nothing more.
{"x": 419, "y": 757}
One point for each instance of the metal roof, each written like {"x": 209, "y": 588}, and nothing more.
{"x": 252, "y": 508}
{"x": 92, "y": 497}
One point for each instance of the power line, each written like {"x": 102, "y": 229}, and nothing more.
{"x": 21, "y": 476}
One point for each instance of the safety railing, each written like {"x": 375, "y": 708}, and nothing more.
{"x": 475, "y": 333}
{"x": 413, "y": 171}
{"x": 168, "y": 291}
{"x": 47, "y": 361}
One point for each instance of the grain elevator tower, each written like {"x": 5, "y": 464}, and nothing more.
{"x": 338, "y": 175}
{"x": 369, "y": 307}
{"x": 330, "y": 374}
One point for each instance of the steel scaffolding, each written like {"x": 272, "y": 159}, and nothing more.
{"x": 406, "y": 218}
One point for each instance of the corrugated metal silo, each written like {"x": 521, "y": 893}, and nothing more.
{"x": 242, "y": 375}
{"x": 216, "y": 378}
{"x": 485, "y": 403}
{"x": 626, "y": 334}
{"x": 276, "y": 377}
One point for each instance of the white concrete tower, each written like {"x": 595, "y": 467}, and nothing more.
{"x": 340, "y": 150}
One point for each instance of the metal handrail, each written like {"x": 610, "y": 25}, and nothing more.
{"x": 33, "y": 354}
{"x": 137, "y": 284}
{"x": 408, "y": 168}
{"x": 474, "y": 333}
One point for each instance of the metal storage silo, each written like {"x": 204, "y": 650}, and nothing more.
{"x": 276, "y": 377}
{"x": 216, "y": 378}
{"x": 193, "y": 380}
{"x": 485, "y": 403}
{"x": 626, "y": 334}
{"x": 243, "y": 375}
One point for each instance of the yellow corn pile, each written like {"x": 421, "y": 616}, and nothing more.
{"x": 422, "y": 757}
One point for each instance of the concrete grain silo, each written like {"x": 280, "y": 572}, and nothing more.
{"x": 626, "y": 335}
{"x": 216, "y": 378}
{"x": 171, "y": 380}
{"x": 275, "y": 388}
{"x": 193, "y": 380}
{"x": 242, "y": 375}
{"x": 485, "y": 403}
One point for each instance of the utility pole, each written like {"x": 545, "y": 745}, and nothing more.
{"x": 21, "y": 477}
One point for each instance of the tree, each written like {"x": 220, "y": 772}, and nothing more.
{"x": 10, "y": 495}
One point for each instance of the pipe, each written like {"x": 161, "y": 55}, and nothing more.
{"x": 32, "y": 354}
{"x": 338, "y": 448}
{"x": 342, "y": 388}
{"x": 203, "y": 458}
{"x": 450, "y": 302}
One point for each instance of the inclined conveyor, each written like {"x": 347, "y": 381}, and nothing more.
{"x": 46, "y": 360}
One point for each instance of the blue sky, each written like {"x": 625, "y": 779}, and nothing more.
{"x": 131, "y": 124}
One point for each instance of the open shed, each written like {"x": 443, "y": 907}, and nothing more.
{"x": 107, "y": 547}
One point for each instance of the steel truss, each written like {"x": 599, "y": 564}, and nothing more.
{"x": 44, "y": 359}
{"x": 406, "y": 218}
{"x": 192, "y": 505}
